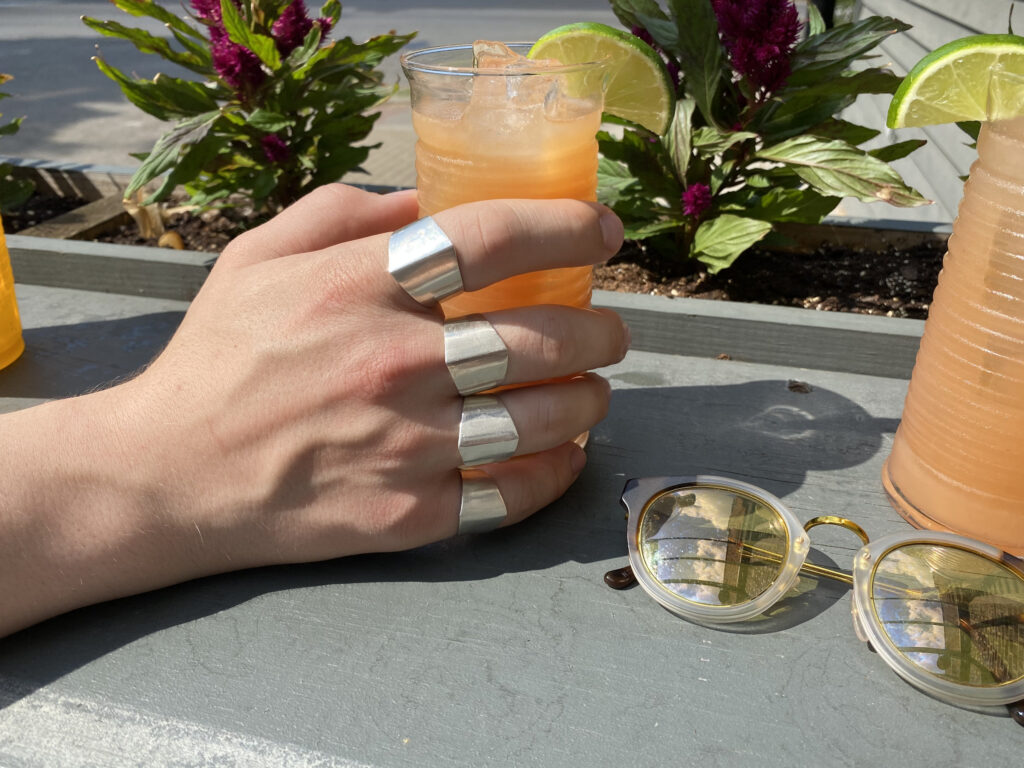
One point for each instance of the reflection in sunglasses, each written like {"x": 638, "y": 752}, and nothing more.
{"x": 953, "y": 612}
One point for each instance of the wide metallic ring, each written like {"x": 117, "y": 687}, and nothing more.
{"x": 482, "y": 509}
{"x": 475, "y": 354}
{"x": 422, "y": 260}
{"x": 486, "y": 431}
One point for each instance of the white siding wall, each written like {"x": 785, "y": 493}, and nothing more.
{"x": 934, "y": 169}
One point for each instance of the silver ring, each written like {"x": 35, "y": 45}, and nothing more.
{"x": 486, "y": 431}
{"x": 482, "y": 509}
{"x": 422, "y": 260}
{"x": 475, "y": 354}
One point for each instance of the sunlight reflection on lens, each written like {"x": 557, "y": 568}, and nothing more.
{"x": 955, "y": 614}
{"x": 712, "y": 546}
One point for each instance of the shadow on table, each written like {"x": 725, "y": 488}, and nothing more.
{"x": 67, "y": 360}
{"x": 760, "y": 431}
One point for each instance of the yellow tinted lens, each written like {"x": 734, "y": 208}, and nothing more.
{"x": 956, "y": 614}
{"x": 712, "y": 546}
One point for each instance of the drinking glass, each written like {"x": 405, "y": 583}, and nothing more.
{"x": 513, "y": 128}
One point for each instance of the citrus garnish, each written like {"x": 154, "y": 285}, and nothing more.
{"x": 639, "y": 88}
{"x": 980, "y": 77}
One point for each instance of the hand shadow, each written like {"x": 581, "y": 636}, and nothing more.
{"x": 66, "y": 360}
{"x": 757, "y": 431}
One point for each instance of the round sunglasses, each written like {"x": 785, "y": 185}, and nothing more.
{"x": 944, "y": 611}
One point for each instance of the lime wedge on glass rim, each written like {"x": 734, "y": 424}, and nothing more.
{"x": 639, "y": 88}
{"x": 980, "y": 77}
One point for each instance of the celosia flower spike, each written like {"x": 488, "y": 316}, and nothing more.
{"x": 696, "y": 200}
{"x": 237, "y": 66}
{"x": 274, "y": 148}
{"x": 759, "y": 36}
{"x": 291, "y": 27}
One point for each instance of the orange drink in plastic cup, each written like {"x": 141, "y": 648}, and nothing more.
{"x": 497, "y": 125}
{"x": 11, "y": 342}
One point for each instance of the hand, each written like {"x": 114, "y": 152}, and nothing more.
{"x": 303, "y": 409}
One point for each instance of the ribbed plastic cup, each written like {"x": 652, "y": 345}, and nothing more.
{"x": 11, "y": 342}
{"x": 957, "y": 461}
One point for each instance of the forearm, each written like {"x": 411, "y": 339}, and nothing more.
{"x": 79, "y": 520}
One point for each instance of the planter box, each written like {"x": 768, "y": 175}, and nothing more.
{"x": 851, "y": 343}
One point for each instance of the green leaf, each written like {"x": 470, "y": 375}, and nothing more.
{"x": 649, "y": 229}
{"x": 145, "y": 42}
{"x": 712, "y": 141}
{"x": 155, "y": 11}
{"x": 815, "y": 23}
{"x": 846, "y": 131}
{"x": 827, "y": 54}
{"x": 310, "y": 45}
{"x": 168, "y": 147}
{"x": 239, "y": 31}
{"x": 648, "y": 161}
{"x": 699, "y": 53}
{"x": 190, "y": 163}
{"x": 719, "y": 241}
{"x": 185, "y": 96}
{"x": 613, "y": 181}
{"x": 799, "y": 205}
{"x": 269, "y": 122}
{"x": 971, "y": 127}
{"x": 678, "y": 138}
{"x": 12, "y": 127}
{"x": 834, "y": 168}
{"x": 331, "y": 10}
{"x": 898, "y": 150}
{"x": 628, "y": 11}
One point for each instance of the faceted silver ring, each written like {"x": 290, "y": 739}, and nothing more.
{"x": 486, "y": 431}
{"x": 476, "y": 356}
{"x": 422, "y": 260}
{"x": 482, "y": 509}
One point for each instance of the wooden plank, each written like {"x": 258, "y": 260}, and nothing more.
{"x": 136, "y": 270}
{"x": 803, "y": 338}
{"x": 83, "y": 222}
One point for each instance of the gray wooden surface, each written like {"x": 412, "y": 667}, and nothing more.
{"x": 504, "y": 648}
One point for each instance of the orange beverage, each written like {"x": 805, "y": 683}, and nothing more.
{"x": 11, "y": 343}
{"x": 957, "y": 461}
{"x": 502, "y": 126}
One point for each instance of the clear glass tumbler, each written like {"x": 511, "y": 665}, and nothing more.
{"x": 513, "y": 128}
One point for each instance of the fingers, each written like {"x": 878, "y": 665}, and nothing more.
{"x": 496, "y": 239}
{"x": 546, "y": 415}
{"x": 332, "y": 214}
{"x": 549, "y": 341}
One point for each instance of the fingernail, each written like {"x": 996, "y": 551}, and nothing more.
{"x": 612, "y": 231}
{"x": 578, "y": 460}
{"x": 627, "y": 339}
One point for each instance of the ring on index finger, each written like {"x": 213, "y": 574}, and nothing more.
{"x": 475, "y": 354}
{"x": 423, "y": 261}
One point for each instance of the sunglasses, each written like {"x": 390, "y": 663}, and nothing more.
{"x": 944, "y": 611}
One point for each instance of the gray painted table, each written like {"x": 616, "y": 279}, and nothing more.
{"x": 507, "y": 648}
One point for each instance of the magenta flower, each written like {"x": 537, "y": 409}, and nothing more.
{"x": 237, "y": 66}
{"x": 291, "y": 27}
{"x": 274, "y": 148}
{"x": 759, "y": 36}
{"x": 208, "y": 9}
{"x": 696, "y": 199}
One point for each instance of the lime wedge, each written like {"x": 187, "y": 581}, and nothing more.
{"x": 639, "y": 88}
{"x": 980, "y": 77}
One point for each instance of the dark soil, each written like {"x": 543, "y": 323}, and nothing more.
{"x": 37, "y": 210}
{"x": 897, "y": 282}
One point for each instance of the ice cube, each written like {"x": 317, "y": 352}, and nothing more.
{"x": 504, "y": 91}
